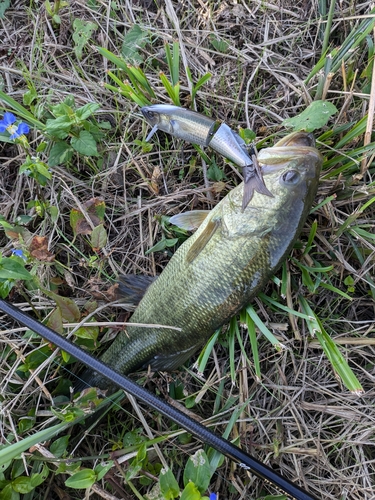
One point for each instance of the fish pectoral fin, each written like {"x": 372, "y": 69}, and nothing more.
{"x": 169, "y": 362}
{"x": 132, "y": 287}
{"x": 189, "y": 220}
{"x": 253, "y": 181}
{"x": 202, "y": 240}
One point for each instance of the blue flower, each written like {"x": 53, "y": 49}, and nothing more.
{"x": 213, "y": 496}
{"x": 18, "y": 253}
{"x": 8, "y": 124}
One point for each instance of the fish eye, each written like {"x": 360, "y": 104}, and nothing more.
{"x": 291, "y": 177}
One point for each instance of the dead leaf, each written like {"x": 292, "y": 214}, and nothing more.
{"x": 154, "y": 184}
{"x": 39, "y": 249}
{"x": 95, "y": 208}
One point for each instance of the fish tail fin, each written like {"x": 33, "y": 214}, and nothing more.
{"x": 253, "y": 181}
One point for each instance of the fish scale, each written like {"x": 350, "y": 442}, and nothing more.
{"x": 221, "y": 267}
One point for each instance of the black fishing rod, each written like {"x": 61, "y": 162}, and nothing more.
{"x": 205, "y": 435}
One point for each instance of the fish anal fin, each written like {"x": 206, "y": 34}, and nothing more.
{"x": 132, "y": 287}
{"x": 189, "y": 220}
{"x": 202, "y": 240}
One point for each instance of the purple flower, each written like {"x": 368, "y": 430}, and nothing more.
{"x": 8, "y": 124}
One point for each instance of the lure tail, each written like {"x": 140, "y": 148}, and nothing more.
{"x": 253, "y": 181}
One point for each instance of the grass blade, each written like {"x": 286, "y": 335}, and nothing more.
{"x": 21, "y": 111}
{"x": 262, "y": 327}
{"x": 331, "y": 350}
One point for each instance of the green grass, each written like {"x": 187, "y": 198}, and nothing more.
{"x": 84, "y": 197}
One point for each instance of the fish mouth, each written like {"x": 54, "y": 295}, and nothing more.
{"x": 297, "y": 139}
{"x": 297, "y": 146}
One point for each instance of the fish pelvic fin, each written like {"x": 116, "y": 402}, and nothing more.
{"x": 253, "y": 181}
{"x": 170, "y": 362}
{"x": 189, "y": 220}
{"x": 202, "y": 240}
{"x": 132, "y": 287}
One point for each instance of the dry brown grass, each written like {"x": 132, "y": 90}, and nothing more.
{"x": 300, "y": 418}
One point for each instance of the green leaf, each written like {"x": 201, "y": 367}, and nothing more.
{"x": 87, "y": 332}
{"x": 198, "y": 471}
{"x": 54, "y": 213}
{"x": 59, "y": 446}
{"x": 247, "y": 134}
{"x": 81, "y": 480}
{"x": 25, "y": 424}
{"x": 4, "y": 5}
{"x": 101, "y": 470}
{"x": 85, "y": 144}
{"x": 59, "y": 127}
{"x": 134, "y": 40}
{"x": 30, "y": 95}
{"x": 162, "y": 245}
{"x": 5, "y": 288}
{"x": 98, "y": 237}
{"x": 87, "y": 110}
{"x": 60, "y": 153}
{"x": 13, "y": 270}
{"x": 214, "y": 173}
{"x": 64, "y": 109}
{"x": 9, "y": 452}
{"x": 220, "y": 45}
{"x": 37, "y": 479}
{"x": 22, "y": 484}
{"x": 168, "y": 484}
{"x": 315, "y": 116}
{"x": 82, "y": 34}
{"x": 191, "y": 492}
{"x": 8, "y": 493}
{"x": 69, "y": 309}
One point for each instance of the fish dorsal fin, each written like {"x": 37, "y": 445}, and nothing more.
{"x": 189, "y": 220}
{"x": 132, "y": 287}
{"x": 202, "y": 240}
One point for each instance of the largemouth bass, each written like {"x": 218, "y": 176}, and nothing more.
{"x": 221, "y": 267}
{"x": 204, "y": 131}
